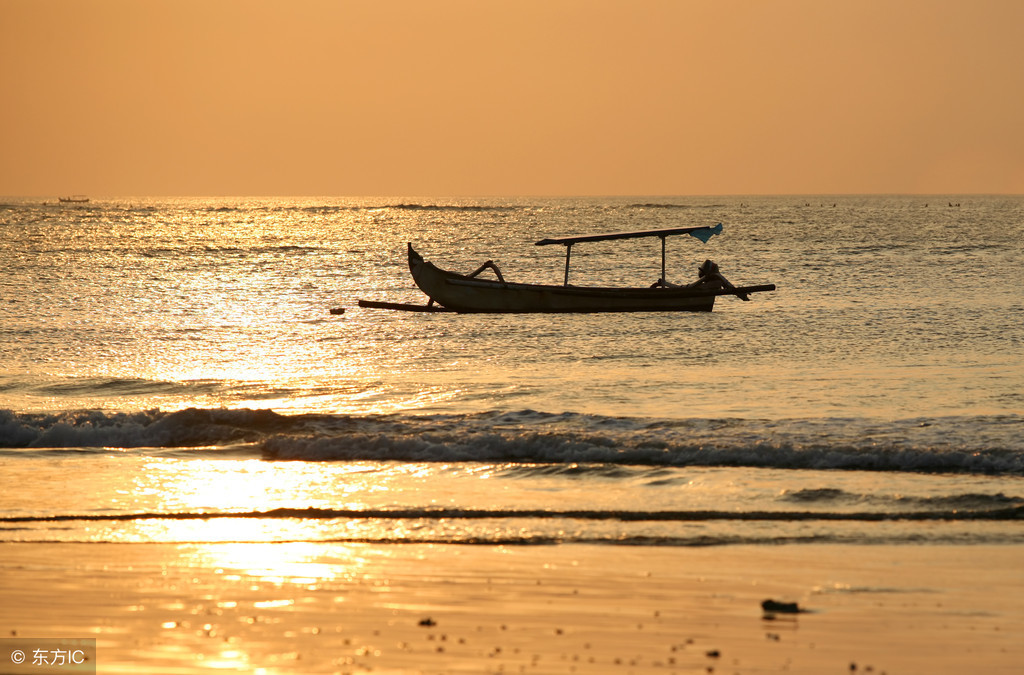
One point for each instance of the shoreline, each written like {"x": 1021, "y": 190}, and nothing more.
{"x": 434, "y": 608}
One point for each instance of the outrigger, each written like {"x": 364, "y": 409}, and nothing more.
{"x": 453, "y": 292}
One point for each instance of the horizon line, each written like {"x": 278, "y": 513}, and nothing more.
{"x": 511, "y": 196}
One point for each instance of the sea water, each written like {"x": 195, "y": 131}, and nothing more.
{"x": 170, "y": 371}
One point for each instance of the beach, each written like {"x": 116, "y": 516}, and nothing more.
{"x": 355, "y": 608}
{"x": 205, "y": 470}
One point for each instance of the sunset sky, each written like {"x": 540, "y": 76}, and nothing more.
{"x": 510, "y": 97}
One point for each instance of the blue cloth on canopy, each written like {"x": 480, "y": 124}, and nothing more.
{"x": 705, "y": 233}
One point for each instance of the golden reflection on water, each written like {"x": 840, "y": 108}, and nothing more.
{"x": 243, "y": 599}
{"x": 247, "y": 486}
{"x": 242, "y": 485}
{"x": 301, "y": 563}
{"x": 233, "y": 500}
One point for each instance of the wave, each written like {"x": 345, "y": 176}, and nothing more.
{"x": 666, "y": 541}
{"x": 969, "y": 445}
{"x": 153, "y": 428}
{"x": 438, "y": 513}
{"x": 666, "y": 205}
{"x": 533, "y": 527}
{"x": 327, "y": 209}
{"x": 123, "y": 386}
{"x": 603, "y": 450}
{"x": 71, "y": 387}
{"x": 954, "y": 503}
{"x": 472, "y": 208}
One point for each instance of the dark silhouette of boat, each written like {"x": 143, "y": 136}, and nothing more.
{"x": 451, "y": 291}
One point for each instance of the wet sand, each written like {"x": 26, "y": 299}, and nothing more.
{"x": 342, "y": 608}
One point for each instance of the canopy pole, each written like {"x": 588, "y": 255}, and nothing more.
{"x": 663, "y": 259}
{"x": 568, "y": 254}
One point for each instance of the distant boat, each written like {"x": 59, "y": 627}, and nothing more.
{"x": 467, "y": 293}
{"x": 74, "y": 199}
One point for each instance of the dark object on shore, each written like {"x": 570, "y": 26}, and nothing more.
{"x": 775, "y": 607}
{"x": 428, "y": 622}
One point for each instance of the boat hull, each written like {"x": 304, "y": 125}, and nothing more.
{"x": 462, "y": 293}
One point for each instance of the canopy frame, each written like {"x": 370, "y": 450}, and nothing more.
{"x": 706, "y": 232}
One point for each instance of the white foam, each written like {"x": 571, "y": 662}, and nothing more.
{"x": 987, "y": 445}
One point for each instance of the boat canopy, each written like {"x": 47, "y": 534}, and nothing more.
{"x": 702, "y": 232}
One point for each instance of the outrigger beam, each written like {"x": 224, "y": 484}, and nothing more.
{"x": 403, "y": 307}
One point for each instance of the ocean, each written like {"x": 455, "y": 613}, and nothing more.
{"x": 172, "y": 372}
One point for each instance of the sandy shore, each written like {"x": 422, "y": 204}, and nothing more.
{"x": 325, "y": 608}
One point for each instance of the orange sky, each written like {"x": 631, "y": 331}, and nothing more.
{"x": 510, "y": 97}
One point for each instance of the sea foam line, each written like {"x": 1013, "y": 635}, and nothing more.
{"x": 312, "y": 513}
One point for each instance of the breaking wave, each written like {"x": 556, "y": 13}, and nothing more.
{"x": 153, "y": 428}
{"x": 971, "y": 445}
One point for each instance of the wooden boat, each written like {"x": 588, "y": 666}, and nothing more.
{"x": 450, "y": 291}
